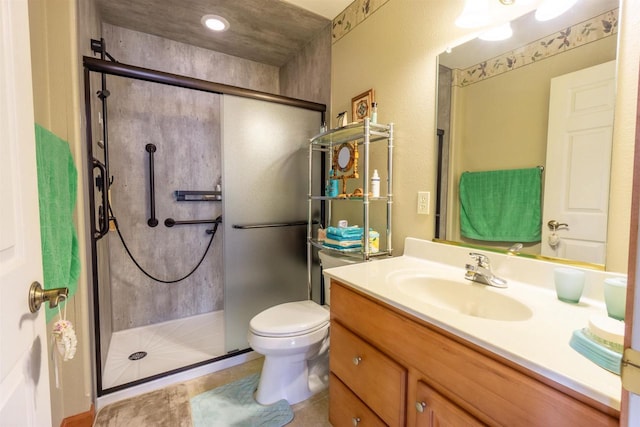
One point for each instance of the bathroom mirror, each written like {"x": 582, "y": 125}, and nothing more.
{"x": 515, "y": 136}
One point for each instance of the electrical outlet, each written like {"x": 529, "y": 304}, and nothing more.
{"x": 424, "y": 198}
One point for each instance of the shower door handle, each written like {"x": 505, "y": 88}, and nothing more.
{"x": 102, "y": 182}
{"x": 270, "y": 225}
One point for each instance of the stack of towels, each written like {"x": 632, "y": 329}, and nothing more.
{"x": 601, "y": 342}
{"x": 349, "y": 239}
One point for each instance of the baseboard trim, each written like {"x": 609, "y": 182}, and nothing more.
{"x": 84, "y": 419}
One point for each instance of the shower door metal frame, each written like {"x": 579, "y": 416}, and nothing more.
{"x": 119, "y": 69}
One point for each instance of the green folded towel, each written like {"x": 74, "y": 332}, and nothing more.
{"x": 501, "y": 205}
{"x": 57, "y": 187}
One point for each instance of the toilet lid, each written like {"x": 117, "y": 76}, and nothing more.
{"x": 291, "y": 318}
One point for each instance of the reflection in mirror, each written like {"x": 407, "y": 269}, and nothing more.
{"x": 494, "y": 114}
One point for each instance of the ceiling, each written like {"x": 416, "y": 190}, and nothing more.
{"x": 266, "y": 31}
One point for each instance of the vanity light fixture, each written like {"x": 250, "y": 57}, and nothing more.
{"x": 215, "y": 23}
{"x": 475, "y": 14}
{"x": 480, "y": 13}
{"x": 501, "y": 32}
{"x": 550, "y": 9}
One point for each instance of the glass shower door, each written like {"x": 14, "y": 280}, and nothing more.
{"x": 264, "y": 182}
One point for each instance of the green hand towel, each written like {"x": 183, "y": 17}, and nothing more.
{"x": 57, "y": 187}
{"x": 501, "y": 205}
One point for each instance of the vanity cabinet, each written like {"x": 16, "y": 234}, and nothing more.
{"x": 357, "y": 139}
{"x": 435, "y": 410}
{"x": 377, "y": 380}
{"x": 430, "y": 377}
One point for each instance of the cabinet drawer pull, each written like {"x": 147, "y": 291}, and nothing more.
{"x": 357, "y": 360}
{"x": 355, "y": 421}
{"x": 420, "y": 406}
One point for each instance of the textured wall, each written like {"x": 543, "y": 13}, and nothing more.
{"x": 185, "y": 127}
{"x": 153, "y": 52}
{"x": 308, "y": 74}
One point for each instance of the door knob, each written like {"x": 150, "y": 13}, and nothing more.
{"x": 554, "y": 225}
{"x": 37, "y": 296}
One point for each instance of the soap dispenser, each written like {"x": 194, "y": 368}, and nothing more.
{"x": 375, "y": 184}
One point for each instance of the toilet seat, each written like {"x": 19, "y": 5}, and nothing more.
{"x": 290, "y": 319}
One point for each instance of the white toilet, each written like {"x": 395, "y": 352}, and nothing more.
{"x": 294, "y": 339}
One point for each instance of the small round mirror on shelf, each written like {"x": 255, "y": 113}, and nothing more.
{"x": 345, "y": 163}
{"x": 344, "y": 157}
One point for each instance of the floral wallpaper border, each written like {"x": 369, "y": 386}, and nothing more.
{"x": 596, "y": 28}
{"x": 352, "y": 16}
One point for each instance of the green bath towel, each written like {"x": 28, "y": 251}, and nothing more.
{"x": 501, "y": 205}
{"x": 57, "y": 187}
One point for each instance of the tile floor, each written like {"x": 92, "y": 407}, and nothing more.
{"x": 313, "y": 412}
{"x": 169, "y": 345}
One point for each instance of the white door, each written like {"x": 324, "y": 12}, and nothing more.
{"x": 24, "y": 376}
{"x": 576, "y": 191}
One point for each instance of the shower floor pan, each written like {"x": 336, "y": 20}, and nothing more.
{"x": 142, "y": 352}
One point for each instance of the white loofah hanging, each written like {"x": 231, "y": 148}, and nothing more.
{"x": 65, "y": 336}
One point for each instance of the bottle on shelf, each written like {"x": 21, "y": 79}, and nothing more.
{"x": 332, "y": 186}
{"x": 375, "y": 184}
{"x": 374, "y": 113}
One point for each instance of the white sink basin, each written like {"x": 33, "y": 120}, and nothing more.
{"x": 461, "y": 296}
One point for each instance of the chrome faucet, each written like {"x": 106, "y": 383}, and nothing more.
{"x": 481, "y": 272}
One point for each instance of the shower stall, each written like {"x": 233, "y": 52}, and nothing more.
{"x": 198, "y": 198}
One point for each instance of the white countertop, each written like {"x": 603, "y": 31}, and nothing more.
{"x": 539, "y": 343}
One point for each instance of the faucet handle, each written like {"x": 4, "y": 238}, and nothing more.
{"x": 482, "y": 260}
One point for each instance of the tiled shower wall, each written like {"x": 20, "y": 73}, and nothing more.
{"x": 185, "y": 127}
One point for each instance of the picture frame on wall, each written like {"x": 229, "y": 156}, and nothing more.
{"x": 361, "y": 105}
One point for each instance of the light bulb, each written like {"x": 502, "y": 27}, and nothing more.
{"x": 475, "y": 14}
{"x": 215, "y": 22}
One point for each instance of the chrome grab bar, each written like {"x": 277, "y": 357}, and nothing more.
{"x": 152, "y": 221}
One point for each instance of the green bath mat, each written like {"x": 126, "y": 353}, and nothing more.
{"x": 233, "y": 405}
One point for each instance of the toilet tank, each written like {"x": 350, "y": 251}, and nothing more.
{"x": 330, "y": 260}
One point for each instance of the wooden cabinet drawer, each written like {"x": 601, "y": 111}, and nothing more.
{"x": 345, "y": 409}
{"x": 375, "y": 378}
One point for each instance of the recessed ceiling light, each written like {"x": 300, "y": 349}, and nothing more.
{"x": 215, "y": 22}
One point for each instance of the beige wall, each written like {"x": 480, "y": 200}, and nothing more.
{"x": 394, "y": 51}
{"x": 54, "y": 59}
